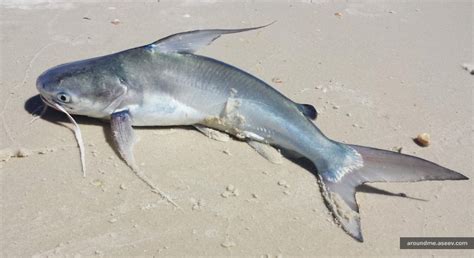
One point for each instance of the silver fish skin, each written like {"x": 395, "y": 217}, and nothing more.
{"x": 164, "y": 83}
{"x": 186, "y": 89}
{"x": 192, "y": 89}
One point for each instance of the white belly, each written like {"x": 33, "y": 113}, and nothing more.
{"x": 164, "y": 111}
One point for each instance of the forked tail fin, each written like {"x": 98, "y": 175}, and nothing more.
{"x": 372, "y": 165}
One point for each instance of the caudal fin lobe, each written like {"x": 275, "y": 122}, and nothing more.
{"x": 372, "y": 165}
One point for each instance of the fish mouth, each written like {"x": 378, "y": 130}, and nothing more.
{"x": 47, "y": 102}
{"x": 52, "y": 103}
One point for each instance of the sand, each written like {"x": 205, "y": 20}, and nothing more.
{"x": 379, "y": 73}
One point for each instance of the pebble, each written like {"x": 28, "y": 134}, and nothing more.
{"x": 398, "y": 149}
{"x": 236, "y": 192}
{"x": 283, "y": 183}
{"x": 115, "y": 21}
{"x": 276, "y": 80}
{"x": 423, "y": 140}
{"x": 230, "y": 191}
{"x": 198, "y": 204}
{"x": 230, "y": 188}
{"x": 226, "y": 194}
{"x": 227, "y": 243}
{"x": 96, "y": 182}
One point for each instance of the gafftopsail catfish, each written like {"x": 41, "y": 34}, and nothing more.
{"x": 164, "y": 84}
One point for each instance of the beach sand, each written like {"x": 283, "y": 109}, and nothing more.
{"x": 379, "y": 73}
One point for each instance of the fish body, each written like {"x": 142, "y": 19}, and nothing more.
{"x": 166, "y": 84}
{"x": 185, "y": 89}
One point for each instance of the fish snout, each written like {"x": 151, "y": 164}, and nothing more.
{"x": 47, "y": 81}
{"x": 40, "y": 83}
{"x": 42, "y": 87}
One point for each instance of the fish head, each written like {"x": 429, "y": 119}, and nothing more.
{"x": 87, "y": 87}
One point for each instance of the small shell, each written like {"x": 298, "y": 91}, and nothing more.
{"x": 423, "y": 139}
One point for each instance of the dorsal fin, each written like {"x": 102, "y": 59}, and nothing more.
{"x": 192, "y": 41}
{"x": 308, "y": 111}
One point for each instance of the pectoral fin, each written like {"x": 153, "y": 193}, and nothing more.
{"x": 191, "y": 41}
{"x": 122, "y": 133}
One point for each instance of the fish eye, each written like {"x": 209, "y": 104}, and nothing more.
{"x": 63, "y": 97}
